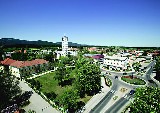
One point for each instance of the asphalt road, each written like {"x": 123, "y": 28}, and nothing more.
{"x": 104, "y": 101}
{"x": 117, "y": 106}
{"x": 122, "y": 101}
{"x": 148, "y": 77}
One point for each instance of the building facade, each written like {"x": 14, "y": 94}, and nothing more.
{"x": 64, "y": 46}
{"x": 116, "y": 63}
{"x": 65, "y": 49}
{"x": 24, "y": 68}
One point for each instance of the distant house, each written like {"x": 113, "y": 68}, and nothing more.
{"x": 116, "y": 63}
{"x": 24, "y": 68}
{"x": 139, "y": 53}
{"x": 97, "y": 57}
{"x": 92, "y": 49}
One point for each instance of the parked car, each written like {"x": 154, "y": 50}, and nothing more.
{"x": 132, "y": 92}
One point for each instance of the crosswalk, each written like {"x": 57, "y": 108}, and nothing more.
{"x": 113, "y": 91}
{"x": 126, "y": 96}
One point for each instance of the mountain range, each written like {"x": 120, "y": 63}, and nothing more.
{"x": 9, "y": 42}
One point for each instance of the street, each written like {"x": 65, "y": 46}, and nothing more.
{"x": 117, "y": 83}
{"x": 117, "y": 106}
{"x": 104, "y": 101}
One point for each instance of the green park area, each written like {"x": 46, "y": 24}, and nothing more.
{"x": 135, "y": 80}
{"x": 72, "y": 84}
{"x": 49, "y": 84}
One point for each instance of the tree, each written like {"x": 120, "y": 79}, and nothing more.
{"x": 31, "y": 111}
{"x": 68, "y": 100}
{"x": 61, "y": 74}
{"x": 145, "y": 53}
{"x": 157, "y": 68}
{"x": 49, "y": 57}
{"x": 51, "y": 95}
{"x": 38, "y": 85}
{"x": 88, "y": 78}
{"x": 136, "y": 66}
{"x": 1, "y": 53}
{"x": 146, "y": 100}
{"x": 9, "y": 89}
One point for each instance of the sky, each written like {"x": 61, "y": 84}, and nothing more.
{"x": 95, "y": 22}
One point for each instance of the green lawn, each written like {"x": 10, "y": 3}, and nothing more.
{"x": 135, "y": 81}
{"x": 49, "y": 84}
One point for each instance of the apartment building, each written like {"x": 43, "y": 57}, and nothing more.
{"x": 116, "y": 63}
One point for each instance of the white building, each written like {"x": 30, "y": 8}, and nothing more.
{"x": 139, "y": 53}
{"x": 65, "y": 50}
{"x": 64, "y": 46}
{"x": 116, "y": 63}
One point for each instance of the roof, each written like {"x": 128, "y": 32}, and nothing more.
{"x": 97, "y": 56}
{"x": 115, "y": 58}
{"x": 8, "y": 61}
{"x": 88, "y": 55}
{"x": 20, "y": 64}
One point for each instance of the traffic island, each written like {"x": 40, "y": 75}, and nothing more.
{"x": 108, "y": 81}
{"x": 114, "y": 98}
{"x": 133, "y": 80}
{"x": 123, "y": 89}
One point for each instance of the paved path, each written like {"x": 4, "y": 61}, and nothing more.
{"x": 34, "y": 75}
{"x": 97, "y": 98}
{"x": 37, "y": 104}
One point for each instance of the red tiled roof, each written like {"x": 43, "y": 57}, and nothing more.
{"x": 8, "y": 61}
{"x": 20, "y": 64}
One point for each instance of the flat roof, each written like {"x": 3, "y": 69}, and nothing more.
{"x": 115, "y": 58}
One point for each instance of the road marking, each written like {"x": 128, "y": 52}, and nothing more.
{"x": 115, "y": 92}
{"x": 112, "y": 91}
{"x": 125, "y": 96}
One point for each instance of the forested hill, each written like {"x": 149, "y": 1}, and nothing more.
{"x": 10, "y": 42}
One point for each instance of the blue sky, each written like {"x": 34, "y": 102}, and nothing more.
{"x": 96, "y": 22}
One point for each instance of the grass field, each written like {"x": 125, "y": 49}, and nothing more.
{"x": 49, "y": 84}
{"x": 135, "y": 81}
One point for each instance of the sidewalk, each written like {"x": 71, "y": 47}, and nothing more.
{"x": 37, "y": 104}
{"x": 34, "y": 75}
{"x": 97, "y": 98}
